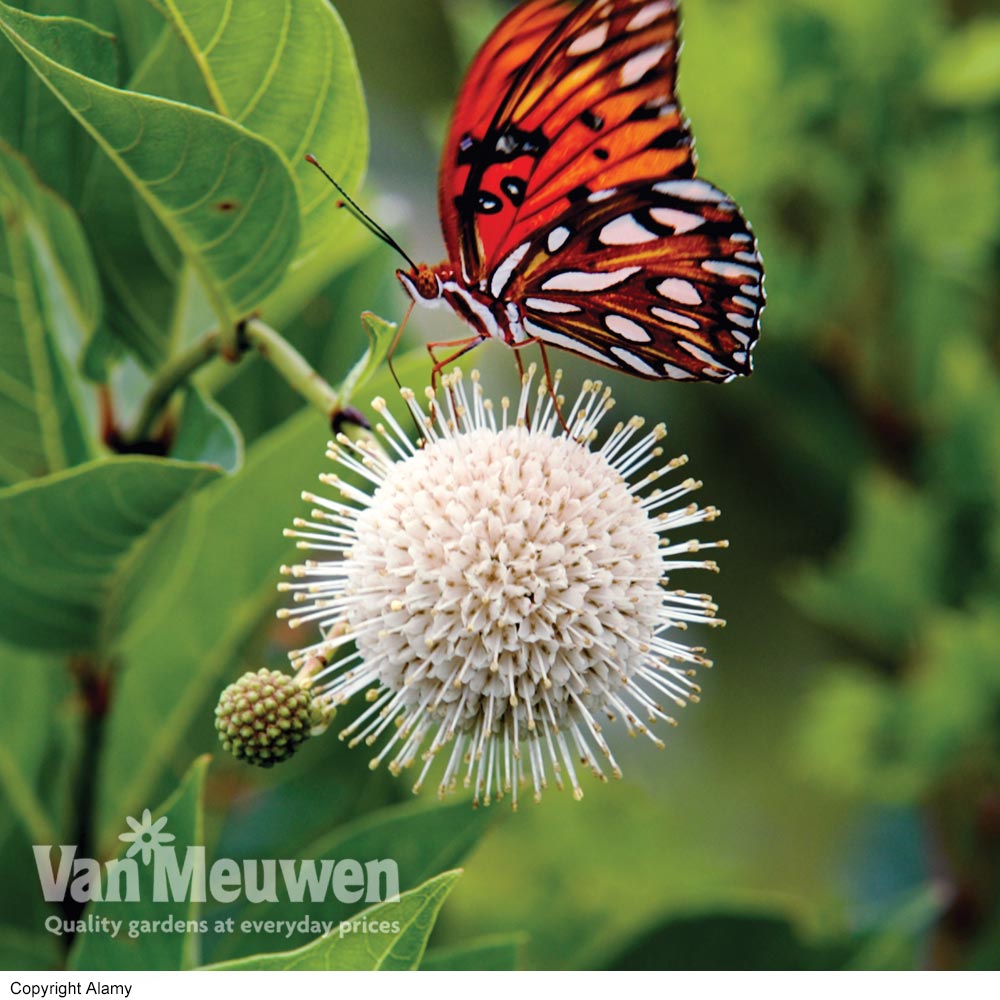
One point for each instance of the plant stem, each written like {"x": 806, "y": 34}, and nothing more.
{"x": 170, "y": 378}
{"x": 94, "y": 685}
{"x": 256, "y": 334}
{"x": 294, "y": 368}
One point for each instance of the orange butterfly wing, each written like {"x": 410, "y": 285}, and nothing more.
{"x": 565, "y": 133}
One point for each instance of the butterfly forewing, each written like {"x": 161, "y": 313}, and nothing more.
{"x": 568, "y": 190}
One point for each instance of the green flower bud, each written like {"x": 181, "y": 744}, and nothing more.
{"x": 264, "y": 717}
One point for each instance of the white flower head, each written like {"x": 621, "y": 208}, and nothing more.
{"x": 502, "y": 588}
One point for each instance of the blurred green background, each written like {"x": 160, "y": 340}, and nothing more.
{"x": 835, "y": 798}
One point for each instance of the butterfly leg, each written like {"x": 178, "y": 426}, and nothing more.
{"x": 395, "y": 343}
{"x": 463, "y": 347}
{"x": 550, "y": 382}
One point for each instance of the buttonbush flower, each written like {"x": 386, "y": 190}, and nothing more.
{"x": 501, "y": 587}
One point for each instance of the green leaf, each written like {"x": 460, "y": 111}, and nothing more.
{"x": 966, "y": 229}
{"x": 362, "y": 947}
{"x": 498, "y": 953}
{"x": 288, "y": 73}
{"x": 948, "y": 706}
{"x": 888, "y": 574}
{"x": 49, "y": 306}
{"x": 726, "y": 942}
{"x": 142, "y": 270}
{"x": 30, "y": 687}
{"x": 966, "y": 71}
{"x": 381, "y": 337}
{"x": 422, "y": 839}
{"x": 34, "y": 122}
{"x": 224, "y": 195}
{"x": 66, "y": 540}
{"x": 200, "y": 592}
{"x": 844, "y": 730}
{"x": 846, "y": 736}
{"x": 28, "y": 951}
{"x": 207, "y": 434}
{"x": 152, "y": 949}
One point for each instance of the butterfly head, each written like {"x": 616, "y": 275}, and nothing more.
{"x": 422, "y": 283}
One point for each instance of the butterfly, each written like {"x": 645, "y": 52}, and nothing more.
{"x": 571, "y": 213}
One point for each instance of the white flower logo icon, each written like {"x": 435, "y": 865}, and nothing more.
{"x": 146, "y": 837}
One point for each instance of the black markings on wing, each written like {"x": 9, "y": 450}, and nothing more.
{"x": 662, "y": 281}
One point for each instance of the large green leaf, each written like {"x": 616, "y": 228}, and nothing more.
{"x": 422, "y": 839}
{"x": 152, "y": 950}
{"x": 66, "y": 541}
{"x": 49, "y": 306}
{"x": 365, "y": 946}
{"x": 145, "y": 280}
{"x": 287, "y": 72}
{"x": 33, "y": 120}
{"x": 224, "y": 195}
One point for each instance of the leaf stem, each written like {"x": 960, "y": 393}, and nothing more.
{"x": 255, "y": 334}
{"x": 94, "y": 686}
{"x": 294, "y": 368}
{"x": 170, "y": 378}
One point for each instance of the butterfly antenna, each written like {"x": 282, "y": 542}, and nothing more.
{"x": 360, "y": 214}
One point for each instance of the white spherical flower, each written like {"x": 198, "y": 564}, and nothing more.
{"x": 502, "y": 588}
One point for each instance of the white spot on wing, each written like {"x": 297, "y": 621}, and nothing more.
{"x": 558, "y": 238}
{"x": 680, "y": 222}
{"x": 634, "y": 362}
{"x": 679, "y": 291}
{"x": 690, "y": 190}
{"x": 740, "y": 320}
{"x": 648, "y": 15}
{"x": 741, "y": 337}
{"x": 753, "y": 290}
{"x": 639, "y": 65}
{"x": 745, "y": 303}
{"x": 747, "y": 258}
{"x": 741, "y": 238}
{"x": 676, "y": 373}
{"x": 625, "y": 231}
{"x": 503, "y": 274}
{"x": 547, "y": 305}
{"x": 698, "y": 353}
{"x": 599, "y": 196}
{"x": 724, "y": 269}
{"x": 543, "y": 333}
{"x": 591, "y": 41}
{"x": 627, "y": 328}
{"x": 669, "y": 316}
{"x": 740, "y": 357}
{"x": 514, "y": 322}
{"x": 588, "y": 281}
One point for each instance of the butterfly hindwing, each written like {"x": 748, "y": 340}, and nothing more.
{"x": 661, "y": 280}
